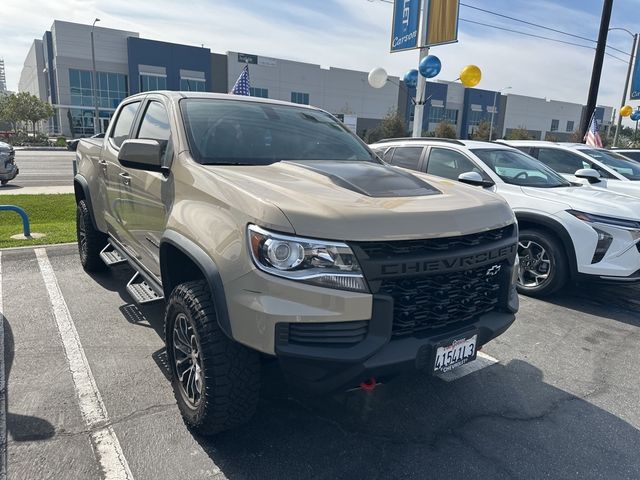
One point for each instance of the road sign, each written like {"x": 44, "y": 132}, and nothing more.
{"x": 406, "y": 21}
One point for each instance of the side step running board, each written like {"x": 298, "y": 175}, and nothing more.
{"x": 141, "y": 291}
{"x": 110, "y": 256}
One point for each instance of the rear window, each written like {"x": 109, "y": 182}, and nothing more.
{"x": 252, "y": 133}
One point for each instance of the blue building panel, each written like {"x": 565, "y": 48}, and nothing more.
{"x": 173, "y": 57}
{"x": 433, "y": 91}
{"x": 477, "y": 106}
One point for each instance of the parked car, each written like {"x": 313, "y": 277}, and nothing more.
{"x": 630, "y": 153}
{"x": 584, "y": 164}
{"x": 8, "y": 168}
{"x": 270, "y": 228}
{"x": 566, "y": 232}
{"x": 73, "y": 144}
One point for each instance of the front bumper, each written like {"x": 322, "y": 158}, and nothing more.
{"x": 323, "y": 369}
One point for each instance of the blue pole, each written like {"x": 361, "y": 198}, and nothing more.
{"x": 22, "y": 213}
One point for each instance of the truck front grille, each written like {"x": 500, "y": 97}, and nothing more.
{"x": 436, "y": 283}
{"x": 436, "y": 301}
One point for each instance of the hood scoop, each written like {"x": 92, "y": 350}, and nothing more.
{"x": 370, "y": 179}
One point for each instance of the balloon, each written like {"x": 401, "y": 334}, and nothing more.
{"x": 635, "y": 116}
{"x": 470, "y": 76}
{"x": 378, "y": 77}
{"x": 411, "y": 78}
{"x": 430, "y": 66}
{"x": 626, "y": 110}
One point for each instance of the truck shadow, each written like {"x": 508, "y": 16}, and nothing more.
{"x": 501, "y": 422}
{"x": 616, "y": 302}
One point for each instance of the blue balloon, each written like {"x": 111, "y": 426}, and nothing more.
{"x": 635, "y": 116}
{"x": 411, "y": 78}
{"x": 430, "y": 66}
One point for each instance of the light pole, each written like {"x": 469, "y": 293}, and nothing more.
{"x": 495, "y": 96}
{"x": 96, "y": 117}
{"x": 626, "y": 82}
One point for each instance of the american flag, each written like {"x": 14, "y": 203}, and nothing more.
{"x": 242, "y": 84}
{"x": 593, "y": 134}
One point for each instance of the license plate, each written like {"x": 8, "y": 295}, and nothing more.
{"x": 455, "y": 354}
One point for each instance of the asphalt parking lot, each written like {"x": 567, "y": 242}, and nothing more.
{"x": 38, "y": 169}
{"x": 561, "y": 402}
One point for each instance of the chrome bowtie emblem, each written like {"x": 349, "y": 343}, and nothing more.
{"x": 493, "y": 270}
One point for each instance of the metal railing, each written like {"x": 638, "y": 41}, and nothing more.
{"x": 25, "y": 218}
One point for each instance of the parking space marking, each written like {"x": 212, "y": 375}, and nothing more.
{"x": 3, "y": 390}
{"x": 482, "y": 361}
{"x": 105, "y": 443}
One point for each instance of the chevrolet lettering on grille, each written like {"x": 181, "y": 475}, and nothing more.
{"x": 447, "y": 264}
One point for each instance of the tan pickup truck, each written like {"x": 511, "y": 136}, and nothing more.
{"x": 271, "y": 230}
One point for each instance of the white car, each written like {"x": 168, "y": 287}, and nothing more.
{"x": 630, "y": 153}
{"x": 579, "y": 163}
{"x": 566, "y": 232}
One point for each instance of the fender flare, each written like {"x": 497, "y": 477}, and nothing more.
{"x": 208, "y": 268}
{"x": 79, "y": 182}
{"x": 559, "y": 230}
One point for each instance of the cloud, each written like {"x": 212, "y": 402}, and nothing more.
{"x": 345, "y": 33}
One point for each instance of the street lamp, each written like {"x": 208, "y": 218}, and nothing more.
{"x": 495, "y": 96}
{"x": 626, "y": 83}
{"x": 96, "y": 119}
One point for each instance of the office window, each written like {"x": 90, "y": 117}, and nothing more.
{"x": 570, "y": 126}
{"x": 298, "y": 97}
{"x": 152, "y": 82}
{"x": 112, "y": 88}
{"x": 192, "y": 85}
{"x": 477, "y": 117}
{"x": 555, "y": 125}
{"x": 438, "y": 114}
{"x": 259, "y": 92}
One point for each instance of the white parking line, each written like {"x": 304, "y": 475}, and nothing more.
{"x": 105, "y": 443}
{"x": 3, "y": 390}
{"x": 482, "y": 361}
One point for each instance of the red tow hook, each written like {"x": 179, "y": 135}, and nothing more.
{"x": 369, "y": 385}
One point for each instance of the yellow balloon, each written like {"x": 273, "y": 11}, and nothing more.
{"x": 470, "y": 76}
{"x": 626, "y": 110}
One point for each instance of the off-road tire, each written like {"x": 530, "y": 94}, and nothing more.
{"x": 230, "y": 372}
{"x": 559, "y": 271}
{"x": 94, "y": 240}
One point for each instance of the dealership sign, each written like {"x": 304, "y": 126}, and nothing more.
{"x": 406, "y": 21}
{"x": 635, "y": 83}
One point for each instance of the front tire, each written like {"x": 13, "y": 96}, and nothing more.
{"x": 215, "y": 380}
{"x": 90, "y": 241}
{"x": 544, "y": 267}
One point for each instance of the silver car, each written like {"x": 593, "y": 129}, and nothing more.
{"x": 8, "y": 168}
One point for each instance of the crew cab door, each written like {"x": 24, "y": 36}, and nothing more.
{"x": 113, "y": 174}
{"x": 146, "y": 195}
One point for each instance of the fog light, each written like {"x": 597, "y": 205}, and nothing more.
{"x": 604, "y": 242}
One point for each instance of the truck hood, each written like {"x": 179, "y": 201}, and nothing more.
{"x": 589, "y": 200}
{"x": 366, "y": 201}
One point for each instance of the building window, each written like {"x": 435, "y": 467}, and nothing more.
{"x": 259, "y": 92}
{"x": 298, "y": 97}
{"x": 112, "y": 88}
{"x": 152, "y": 82}
{"x": 555, "y": 125}
{"x": 192, "y": 85}
{"x": 437, "y": 115}
{"x": 570, "y": 126}
{"x": 81, "y": 122}
{"x": 477, "y": 117}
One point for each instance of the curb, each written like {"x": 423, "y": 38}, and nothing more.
{"x": 42, "y": 149}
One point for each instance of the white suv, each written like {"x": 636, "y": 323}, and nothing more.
{"x": 566, "y": 232}
{"x": 579, "y": 163}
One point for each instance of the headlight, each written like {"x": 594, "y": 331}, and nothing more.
{"x": 322, "y": 263}
{"x": 611, "y": 221}
{"x": 605, "y": 239}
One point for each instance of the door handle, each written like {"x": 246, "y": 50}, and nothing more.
{"x": 103, "y": 165}
{"x": 126, "y": 178}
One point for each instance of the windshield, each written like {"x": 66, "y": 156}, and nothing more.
{"x": 516, "y": 168}
{"x": 615, "y": 161}
{"x": 238, "y": 132}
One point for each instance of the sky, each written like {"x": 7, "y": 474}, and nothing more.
{"x": 355, "y": 34}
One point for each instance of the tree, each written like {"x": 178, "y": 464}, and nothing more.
{"x": 482, "y": 131}
{"x": 576, "y": 137}
{"x": 24, "y": 107}
{"x": 9, "y": 110}
{"x": 445, "y": 130}
{"x": 520, "y": 133}
{"x": 391, "y": 126}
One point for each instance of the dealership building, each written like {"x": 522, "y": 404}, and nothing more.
{"x": 58, "y": 69}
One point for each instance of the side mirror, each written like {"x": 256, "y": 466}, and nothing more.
{"x": 591, "y": 175}
{"x": 141, "y": 155}
{"x": 475, "y": 179}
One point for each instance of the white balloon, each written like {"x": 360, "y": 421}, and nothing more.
{"x": 378, "y": 77}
